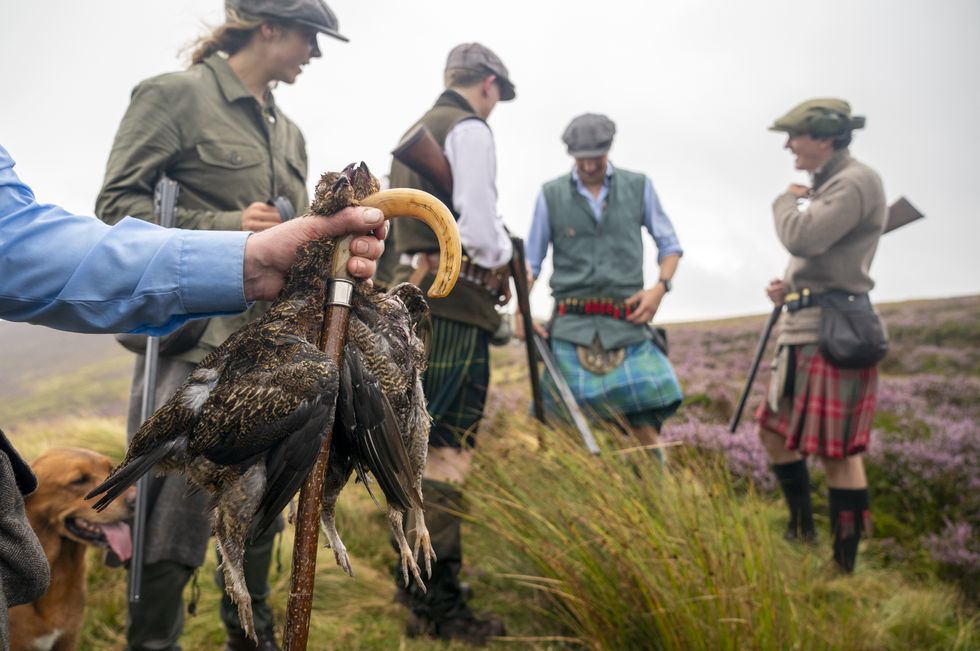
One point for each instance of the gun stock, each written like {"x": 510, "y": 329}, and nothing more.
{"x": 420, "y": 152}
{"x": 901, "y": 213}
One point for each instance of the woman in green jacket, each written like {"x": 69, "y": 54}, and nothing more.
{"x": 241, "y": 164}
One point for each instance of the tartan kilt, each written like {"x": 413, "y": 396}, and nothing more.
{"x": 643, "y": 388}
{"x": 830, "y": 411}
{"x": 455, "y": 381}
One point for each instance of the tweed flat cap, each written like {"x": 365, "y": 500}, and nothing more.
{"x": 824, "y": 117}
{"x": 589, "y": 135}
{"x": 474, "y": 56}
{"x": 312, "y": 13}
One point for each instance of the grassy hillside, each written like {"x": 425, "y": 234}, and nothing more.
{"x": 608, "y": 553}
{"x": 47, "y": 374}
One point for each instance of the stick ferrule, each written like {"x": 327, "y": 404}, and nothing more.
{"x": 340, "y": 291}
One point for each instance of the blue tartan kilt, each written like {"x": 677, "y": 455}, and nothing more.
{"x": 643, "y": 389}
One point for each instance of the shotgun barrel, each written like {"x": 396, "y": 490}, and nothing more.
{"x": 760, "y": 349}
{"x": 565, "y": 392}
{"x": 165, "y": 207}
{"x": 518, "y": 270}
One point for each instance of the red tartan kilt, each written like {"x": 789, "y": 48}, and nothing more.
{"x": 831, "y": 411}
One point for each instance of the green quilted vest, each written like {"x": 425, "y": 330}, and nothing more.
{"x": 597, "y": 259}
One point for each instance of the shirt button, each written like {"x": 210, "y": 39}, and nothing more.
{"x": 272, "y": 119}
{"x": 235, "y": 158}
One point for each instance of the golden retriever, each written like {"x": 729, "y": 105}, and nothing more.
{"x": 65, "y": 523}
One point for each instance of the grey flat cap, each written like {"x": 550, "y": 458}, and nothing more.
{"x": 589, "y": 135}
{"x": 473, "y": 56}
{"x": 312, "y": 13}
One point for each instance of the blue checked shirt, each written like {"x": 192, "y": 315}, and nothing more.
{"x": 654, "y": 218}
{"x": 75, "y": 273}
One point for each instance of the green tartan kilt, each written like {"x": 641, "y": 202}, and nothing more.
{"x": 456, "y": 382}
{"x": 643, "y": 389}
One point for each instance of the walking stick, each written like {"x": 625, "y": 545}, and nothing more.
{"x": 393, "y": 203}
{"x": 165, "y": 206}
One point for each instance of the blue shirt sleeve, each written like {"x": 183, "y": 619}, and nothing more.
{"x": 538, "y": 239}
{"x": 659, "y": 224}
{"x": 75, "y": 273}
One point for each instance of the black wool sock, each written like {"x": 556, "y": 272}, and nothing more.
{"x": 794, "y": 480}
{"x": 850, "y": 520}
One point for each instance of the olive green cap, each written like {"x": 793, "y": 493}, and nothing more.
{"x": 820, "y": 118}
{"x": 312, "y": 13}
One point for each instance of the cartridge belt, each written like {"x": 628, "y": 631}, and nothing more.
{"x": 796, "y": 301}
{"x": 608, "y": 307}
{"x": 492, "y": 281}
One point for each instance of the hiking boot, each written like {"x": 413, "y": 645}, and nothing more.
{"x": 465, "y": 627}
{"x": 805, "y": 537}
{"x": 239, "y": 641}
{"x": 402, "y": 596}
{"x": 420, "y": 626}
{"x": 472, "y": 629}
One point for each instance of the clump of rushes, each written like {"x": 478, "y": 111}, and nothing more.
{"x": 631, "y": 557}
{"x": 622, "y": 555}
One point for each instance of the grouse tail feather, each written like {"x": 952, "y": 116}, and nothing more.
{"x": 129, "y": 473}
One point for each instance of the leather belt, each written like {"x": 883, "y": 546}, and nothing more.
{"x": 494, "y": 282}
{"x": 608, "y": 307}
{"x": 796, "y": 301}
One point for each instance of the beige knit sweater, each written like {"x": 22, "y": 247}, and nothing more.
{"x": 832, "y": 241}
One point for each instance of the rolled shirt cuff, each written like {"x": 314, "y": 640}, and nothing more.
{"x": 211, "y": 269}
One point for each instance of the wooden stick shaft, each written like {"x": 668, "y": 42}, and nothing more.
{"x": 333, "y": 338}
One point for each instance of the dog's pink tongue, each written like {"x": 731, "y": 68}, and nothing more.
{"x": 119, "y": 539}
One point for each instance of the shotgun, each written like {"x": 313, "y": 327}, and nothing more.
{"x": 900, "y": 213}
{"x": 165, "y": 209}
{"x": 518, "y": 271}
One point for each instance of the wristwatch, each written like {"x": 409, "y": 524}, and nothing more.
{"x": 666, "y": 283}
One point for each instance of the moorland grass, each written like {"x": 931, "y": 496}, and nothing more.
{"x": 626, "y": 556}
{"x": 582, "y": 552}
{"x": 577, "y": 551}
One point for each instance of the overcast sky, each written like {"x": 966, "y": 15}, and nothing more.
{"x": 691, "y": 86}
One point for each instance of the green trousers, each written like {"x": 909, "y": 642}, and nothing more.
{"x": 155, "y": 624}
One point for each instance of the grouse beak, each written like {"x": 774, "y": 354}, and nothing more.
{"x": 408, "y": 202}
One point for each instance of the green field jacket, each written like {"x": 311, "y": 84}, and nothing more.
{"x": 205, "y": 130}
